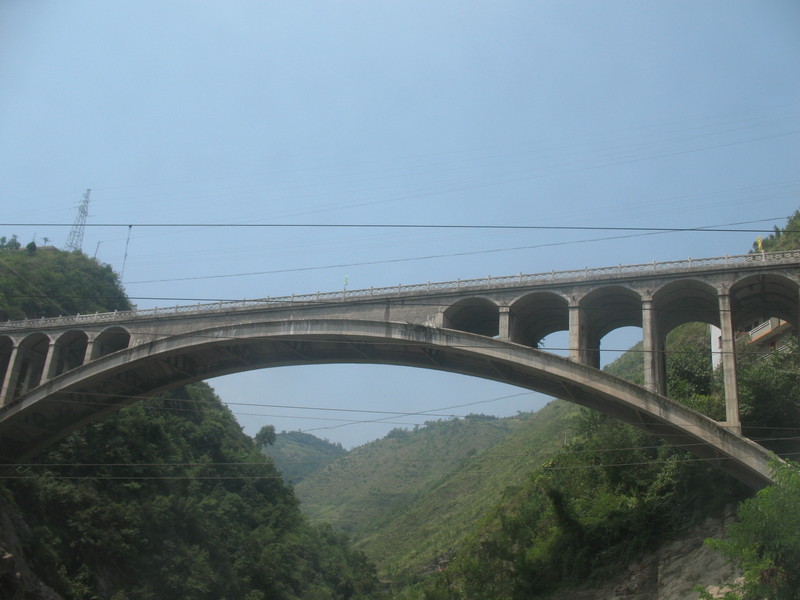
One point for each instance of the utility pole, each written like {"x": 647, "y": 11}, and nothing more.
{"x": 75, "y": 240}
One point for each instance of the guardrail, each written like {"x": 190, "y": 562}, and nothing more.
{"x": 522, "y": 279}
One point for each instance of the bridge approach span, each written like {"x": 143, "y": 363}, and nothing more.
{"x": 65, "y": 402}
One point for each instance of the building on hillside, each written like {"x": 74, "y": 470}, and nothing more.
{"x": 769, "y": 335}
{"x": 763, "y": 337}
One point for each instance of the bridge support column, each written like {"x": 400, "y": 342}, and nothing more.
{"x": 653, "y": 346}
{"x": 797, "y": 325}
{"x": 51, "y": 362}
{"x": 506, "y": 324}
{"x": 10, "y": 381}
{"x": 592, "y": 352}
{"x": 89, "y": 350}
{"x": 33, "y": 372}
{"x": 730, "y": 382}
{"x": 582, "y": 348}
{"x": 574, "y": 332}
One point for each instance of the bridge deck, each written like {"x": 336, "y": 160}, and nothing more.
{"x": 689, "y": 265}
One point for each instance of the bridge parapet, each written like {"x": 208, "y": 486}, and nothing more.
{"x": 490, "y": 282}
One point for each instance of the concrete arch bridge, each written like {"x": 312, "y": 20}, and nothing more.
{"x": 59, "y": 373}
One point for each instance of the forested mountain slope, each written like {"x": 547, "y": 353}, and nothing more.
{"x": 375, "y": 482}
{"x": 165, "y": 499}
{"x": 423, "y": 536}
{"x": 409, "y": 498}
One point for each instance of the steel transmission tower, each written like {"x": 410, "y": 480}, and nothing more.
{"x": 75, "y": 240}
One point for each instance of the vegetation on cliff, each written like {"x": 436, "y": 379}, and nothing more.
{"x": 764, "y": 542}
{"x": 169, "y": 499}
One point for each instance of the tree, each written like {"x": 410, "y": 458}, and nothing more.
{"x": 265, "y": 437}
{"x": 765, "y": 541}
{"x": 12, "y": 244}
{"x": 769, "y": 393}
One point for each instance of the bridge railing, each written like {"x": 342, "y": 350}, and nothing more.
{"x": 400, "y": 289}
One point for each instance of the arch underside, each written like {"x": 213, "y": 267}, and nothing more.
{"x": 81, "y": 395}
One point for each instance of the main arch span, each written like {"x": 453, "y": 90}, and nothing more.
{"x": 58, "y": 373}
{"x": 82, "y": 394}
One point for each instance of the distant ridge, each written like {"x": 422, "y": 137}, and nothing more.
{"x": 298, "y": 455}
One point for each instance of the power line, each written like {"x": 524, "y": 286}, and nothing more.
{"x": 388, "y": 261}
{"x": 642, "y": 232}
{"x": 435, "y": 412}
{"x": 482, "y": 472}
{"x": 708, "y": 229}
{"x": 632, "y": 147}
{"x": 360, "y": 460}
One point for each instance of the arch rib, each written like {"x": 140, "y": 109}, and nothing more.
{"x": 59, "y": 406}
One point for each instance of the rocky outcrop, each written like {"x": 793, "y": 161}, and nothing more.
{"x": 674, "y": 570}
{"x": 17, "y": 579}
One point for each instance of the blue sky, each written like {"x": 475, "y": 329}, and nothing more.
{"x": 598, "y": 114}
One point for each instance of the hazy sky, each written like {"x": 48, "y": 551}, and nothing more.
{"x": 564, "y": 113}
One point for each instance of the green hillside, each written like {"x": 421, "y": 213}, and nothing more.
{"x": 408, "y": 499}
{"x": 427, "y": 533}
{"x": 365, "y": 490}
{"x": 45, "y": 282}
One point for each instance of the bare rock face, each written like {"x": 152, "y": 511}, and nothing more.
{"x": 10, "y": 579}
{"x": 17, "y": 580}
{"x": 689, "y": 562}
{"x": 674, "y": 570}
